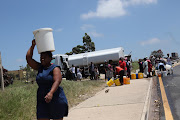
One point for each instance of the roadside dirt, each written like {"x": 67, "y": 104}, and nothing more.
{"x": 155, "y": 102}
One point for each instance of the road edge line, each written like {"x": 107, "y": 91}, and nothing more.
{"x": 145, "y": 112}
{"x": 167, "y": 109}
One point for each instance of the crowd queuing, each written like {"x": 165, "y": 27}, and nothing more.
{"x": 110, "y": 68}
{"x": 148, "y": 66}
{"x": 122, "y": 68}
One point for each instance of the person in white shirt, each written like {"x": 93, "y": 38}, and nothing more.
{"x": 161, "y": 66}
{"x": 96, "y": 72}
{"x": 145, "y": 67}
{"x": 73, "y": 72}
{"x": 168, "y": 60}
{"x": 79, "y": 75}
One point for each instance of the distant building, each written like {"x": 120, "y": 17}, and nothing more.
{"x": 174, "y": 55}
{"x": 21, "y": 74}
{"x": 24, "y": 74}
{"x": 17, "y": 73}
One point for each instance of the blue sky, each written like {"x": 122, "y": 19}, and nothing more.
{"x": 140, "y": 26}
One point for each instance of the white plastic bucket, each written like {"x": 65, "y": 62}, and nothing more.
{"x": 168, "y": 67}
{"x": 44, "y": 39}
{"x": 164, "y": 73}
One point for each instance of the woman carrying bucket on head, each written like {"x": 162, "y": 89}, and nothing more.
{"x": 51, "y": 100}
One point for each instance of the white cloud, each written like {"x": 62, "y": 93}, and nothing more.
{"x": 138, "y": 2}
{"x": 106, "y": 8}
{"x": 144, "y": 1}
{"x": 19, "y": 60}
{"x": 59, "y": 30}
{"x": 87, "y": 27}
{"x": 150, "y": 42}
{"x": 113, "y": 8}
{"x": 95, "y": 34}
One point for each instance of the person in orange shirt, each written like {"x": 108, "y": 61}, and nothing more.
{"x": 122, "y": 64}
{"x": 120, "y": 72}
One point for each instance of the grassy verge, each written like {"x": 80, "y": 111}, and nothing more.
{"x": 18, "y": 101}
{"x": 77, "y": 92}
{"x": 135, "y": 66}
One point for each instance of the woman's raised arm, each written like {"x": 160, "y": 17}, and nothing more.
{"x": 31, "y": 62}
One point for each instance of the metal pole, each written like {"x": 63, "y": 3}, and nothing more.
{"x": 1, "y": 74}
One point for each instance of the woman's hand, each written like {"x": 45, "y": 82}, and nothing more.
{"x": 48, "y": 97}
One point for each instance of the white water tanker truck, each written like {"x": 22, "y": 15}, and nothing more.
{"x": 83, "y": 60}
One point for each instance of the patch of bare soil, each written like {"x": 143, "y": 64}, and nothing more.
{"x": 155, "y": 102}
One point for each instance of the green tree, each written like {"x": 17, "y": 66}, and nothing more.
{"x": 70, "y": 53}
{"x": 88, "y": 46}
{"x": 157, "y": 53}
{"x": 78, "y": 49}
{"x": 21, "y": 67}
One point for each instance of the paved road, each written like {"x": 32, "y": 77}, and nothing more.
{"x": 172, "y": 88}
{"x": 127, "y": 102}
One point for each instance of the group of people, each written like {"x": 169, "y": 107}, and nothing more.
{"x": 160, "y": 63}
{"x": 111, "y": 69}
{"x": 74, "y": 73}
{"x": 147, "y": 66}
{"x": 77, "y": 73}
{"x": 122, "y": 69}
{"x": 94, "y": 72}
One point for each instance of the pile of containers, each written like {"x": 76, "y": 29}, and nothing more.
{"x": 137, "y": 76}
{"x": 117, "y": 82}
{"x": 126, "y": 80}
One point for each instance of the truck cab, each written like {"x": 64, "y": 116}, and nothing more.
{"x": 62, "y": 61}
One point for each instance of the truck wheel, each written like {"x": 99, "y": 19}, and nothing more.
{"x": 86, "y": 76}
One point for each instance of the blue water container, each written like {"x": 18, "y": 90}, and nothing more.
{"x": 136, "y": 75}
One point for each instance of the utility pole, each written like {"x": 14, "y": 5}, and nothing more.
{"x": 1, "y": 74}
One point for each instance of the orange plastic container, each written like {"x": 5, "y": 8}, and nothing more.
{"x": 140, "y": 75}
{"x": 159, "y": 74}
{"x": 133, "y": 76}
{"x": 126, "y": 80}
